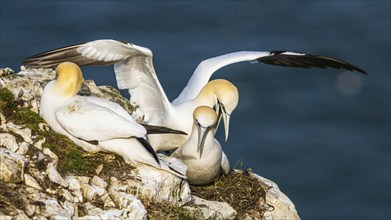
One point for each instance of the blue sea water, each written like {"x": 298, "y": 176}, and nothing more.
{"x": 322, "y": 135}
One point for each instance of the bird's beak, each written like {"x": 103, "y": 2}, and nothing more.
{"x": 202, "y": 133}
{"x": 222, "y": 113}
{"x": 226, "y": 118}
{"x": 219, "y": 116}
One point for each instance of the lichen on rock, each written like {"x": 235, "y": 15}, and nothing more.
{"x": 44, "y": 175}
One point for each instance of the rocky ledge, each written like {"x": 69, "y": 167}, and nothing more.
{"x": 43, "y": 175}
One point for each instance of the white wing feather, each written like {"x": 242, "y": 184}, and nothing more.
{"x": 138, "y": 76}
{"x": 134, "y": 71}
{"x": 206, "y": 68}
{"x": 225, "y": 164}
{"x": 111, "y": 50}
{"x": 96, "y": 120}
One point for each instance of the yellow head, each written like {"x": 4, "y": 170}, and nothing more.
{"x": 223, "y": 91}
{"x": 225, "y": 98}
{"x": 205, "y": 119}
{"x": 69, "y": 79}
{"x": 205, "y": 116}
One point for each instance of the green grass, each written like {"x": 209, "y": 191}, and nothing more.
{"x": 71, "y": 160}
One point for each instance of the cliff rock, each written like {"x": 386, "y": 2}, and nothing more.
{"x": 44, "y": 175}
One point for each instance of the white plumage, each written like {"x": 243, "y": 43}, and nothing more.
{"x": 134, "y": 71}
{"x": 92, "y": 123}
{"x": 202, "y": 153}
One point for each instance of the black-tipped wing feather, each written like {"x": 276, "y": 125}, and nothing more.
{"x": 153, "y": 129}
{"x": 52, "y": 58}
{"x": 73, "y": 53}
{"x": 149, "y": 148}
{"x": 295, "y": 59}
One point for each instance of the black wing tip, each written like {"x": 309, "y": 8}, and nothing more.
{"x": 284, "y": 61}
{"x": 359, "y": 70}
{"x": 153, "y": 129}
{"x": 149, "y": 148}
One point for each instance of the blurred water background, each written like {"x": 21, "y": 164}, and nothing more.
{"x": 322, "y": 135}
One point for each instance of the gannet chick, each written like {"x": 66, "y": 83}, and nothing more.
{"x": 202, "y": 153}
{"x": 92, "y": 123}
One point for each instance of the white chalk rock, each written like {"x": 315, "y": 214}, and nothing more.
{"x": 69, "y": 207}
{"x": 97, "y": 181}
{"x": 6, "y": 217}
{"x": 25, "y": 133}
{"x": 8, "y": 141}
{"x": 39, "y": 143}
{"x": 66, "y": 195}
{"x": 117, "y": 185}
{"x": 54, "y": 176}
{"x": 73, "y": 183}
{"x": 108, "y": 203}
{"x": 30, "y": 181}
{"x": 92, "y": 211}
{"x": 23, "y": 148}
{"x": 83, "y": 179}
{"x": 283, "y": 206}
{"x": 91, "y": 192}
{"x": 114, "y": 214}
{"x": 77, "y": 196}
{"x": 19, "y": 215}
{"x": 159, "y": 185}
{"x": 135, "y": 209}
{"x": 38, "y": 175}
{"x": 11, "y": 166}
{"x": 2, "y": 122}
{"x": 214, "y": 209}
{"x": 51, "y": 207}
{"x": 50, "y": 153}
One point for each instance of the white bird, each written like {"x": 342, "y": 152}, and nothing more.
{"x": 134, "y": 71}
{"x": 202, "y": 153}
{"x": 92, "y": 123}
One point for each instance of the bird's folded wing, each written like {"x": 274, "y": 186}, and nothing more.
{"x": 91, "y": 122}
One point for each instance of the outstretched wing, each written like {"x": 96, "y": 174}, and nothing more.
{"x": 207, "y": 67}
{"x": 133, "y": 69}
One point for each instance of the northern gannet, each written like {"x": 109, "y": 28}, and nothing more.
{"x": 92, "y": 123}
{"x": 202, "y": 153}
{"x": 134, "y": 71}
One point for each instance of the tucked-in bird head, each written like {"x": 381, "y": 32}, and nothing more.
{"x": 225, "y": 101}
{"x": 69, "y": 79}
{"x": 205, "y": 118}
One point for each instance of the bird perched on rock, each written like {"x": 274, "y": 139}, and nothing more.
{"x": 96, "y": 124}
{"x": 134, "y": 71}
{"x": 202, "y": 153}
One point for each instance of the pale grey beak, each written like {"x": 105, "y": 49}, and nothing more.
{"x": 202, "y": 133}
{"x": 226, "y": 118}
{"x": 222, "y": 113}
{"x": 219, "y": 116}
